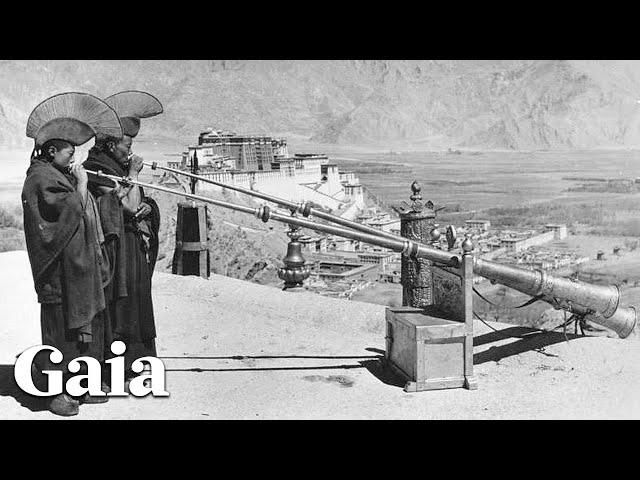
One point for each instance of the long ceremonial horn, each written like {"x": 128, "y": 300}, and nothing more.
{"x": 599, "y": 304}
{"x": 304, "y": 208}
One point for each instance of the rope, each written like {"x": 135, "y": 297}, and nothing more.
{"x": 538, "y": 350}
{"x": 579, "y": 322}
{"x": 525, "y": 304}
{"x": 578, "y": 319}
{"x": 500, "y": 331}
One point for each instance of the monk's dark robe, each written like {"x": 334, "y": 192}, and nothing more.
{"x": 63, "y": 236}
{"x": 153, "y": 223}
{"x": 128, "y": 242}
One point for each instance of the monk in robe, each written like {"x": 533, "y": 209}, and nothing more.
{"x": 64, "y": 237}
{"x": 130, "y": 221}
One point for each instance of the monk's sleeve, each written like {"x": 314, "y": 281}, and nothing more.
{"x": 112, "y": 220}
{"x": 59, "y": 207}
{"x": 52, "y": 214}
{"x": 153, "y": 223}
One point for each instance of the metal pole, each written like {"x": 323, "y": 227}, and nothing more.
{"x": 303, "y": 207}
{"x": 192, "y": 196}
{"x": 397, "y": 244}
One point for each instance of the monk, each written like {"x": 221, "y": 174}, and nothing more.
{"x": 64, "y": 236}
{"x": 130, "y": 221}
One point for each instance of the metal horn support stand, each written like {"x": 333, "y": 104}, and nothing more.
{"x": 294, "y": 272}
{"x": 191, "y": 255}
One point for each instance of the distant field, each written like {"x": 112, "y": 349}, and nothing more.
{"x": 478, "y": 180}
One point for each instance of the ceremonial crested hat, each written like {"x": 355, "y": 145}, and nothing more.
{"x": 74, "y": 117}
{"x": 131, "y": 106}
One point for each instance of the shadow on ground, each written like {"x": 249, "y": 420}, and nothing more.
{"x": 526, "y": 340}
{"x": 373, "y": 363}
{"x": 523, "y": 340}
{"x": 261, "y": 369}
{"x": 254, "y": 357}
{"x": 9, "y": 388}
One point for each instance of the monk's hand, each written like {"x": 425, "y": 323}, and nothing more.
{"x": 143, "y": 210}
{"x": 135, "y": 164}
{"x": 122, "y": 188}
{"x": 125, "y": 183}
{"x": 80, "y": 173}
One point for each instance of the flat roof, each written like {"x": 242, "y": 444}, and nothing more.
{"x": 376, "y": 254}
{"x": 383, "y": 222}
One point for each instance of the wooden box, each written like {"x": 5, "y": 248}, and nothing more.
{"x": 432, "y": 348}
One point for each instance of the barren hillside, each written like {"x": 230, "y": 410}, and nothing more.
{"x": 430, "y": 104}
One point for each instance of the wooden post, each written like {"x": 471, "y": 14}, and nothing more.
{"x": 470, "y": 381}
{"x": 191, "y": 255}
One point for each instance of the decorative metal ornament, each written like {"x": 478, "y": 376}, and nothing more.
{"x": 417, "y": 205}
{"x": 294, "y": 272}
{"x": 435, "y": 233}
{"x": 451, "y": 236}
{"x": 467, "y": 244}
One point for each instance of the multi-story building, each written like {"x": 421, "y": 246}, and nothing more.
{"x": 518, "y": 244}
{"x": 559, "y": 229}
{"x": 250, "y": 152}
{"x": 482, "y": 225}
{"x": 313, "y": 244}
{"x": 379, "y": 258}
{"x": 345, "y": 271}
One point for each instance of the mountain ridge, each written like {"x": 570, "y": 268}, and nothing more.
{"x": 516, "y": 105}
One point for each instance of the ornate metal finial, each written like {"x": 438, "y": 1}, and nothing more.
{"x": 415, "y": 188}
{"x": 416, "y": 205}
{"x": 294, "y": 272}
{"x": 435, "y": 233}
{"x": 467, "y": 244}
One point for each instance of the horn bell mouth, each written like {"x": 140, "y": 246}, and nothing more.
{"x": 623, "y": 321}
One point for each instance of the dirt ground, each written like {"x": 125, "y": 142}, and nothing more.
{"x": 237, "y": 350}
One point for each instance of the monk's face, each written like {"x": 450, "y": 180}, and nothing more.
{"x": 62, "y": 157}
{"x": 122, "y": 149}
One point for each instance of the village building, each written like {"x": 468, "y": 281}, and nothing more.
{"x": 559, "y": 229}
{"x": 482, "y": 225}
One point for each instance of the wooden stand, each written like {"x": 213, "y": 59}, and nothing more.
{"x": 432, "y": 348}
{"x": 191, "y": 256}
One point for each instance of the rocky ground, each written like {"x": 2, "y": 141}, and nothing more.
{"x": 238, "y": 350}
